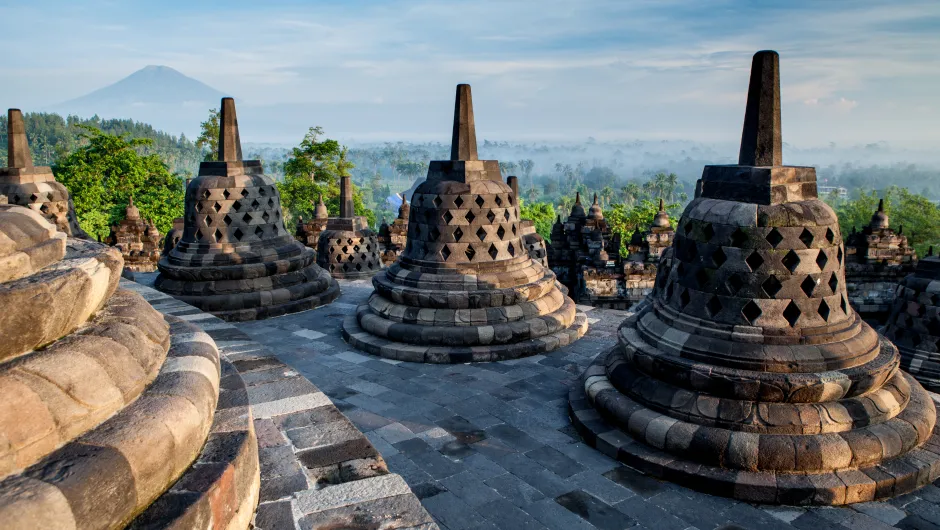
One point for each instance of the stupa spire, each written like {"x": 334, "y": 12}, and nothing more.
{"x": 18, "y": 154}
{"x": 662, "y": 206}
{"x": 230, "y": 145}
{"x": 761, "y": 140}
{"x": 464, "y": 141}
{"x": 346, "y": 208}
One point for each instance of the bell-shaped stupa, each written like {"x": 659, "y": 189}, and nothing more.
{"x": 348, "y": 248}
{"x": 465, "y": 288}
{"x": 746, "y": 373}
{"x": 914, "y": 322}
{"x": 35, "y": 186}
{"x": 235, "y": 259}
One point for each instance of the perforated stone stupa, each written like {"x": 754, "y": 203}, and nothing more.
{"x": 876, "y": 260}
{"x": 348, "y": 248}
{"x": 464, "y": 289}
{"x": 35, "y": 186}
{"x": 106, "y": 403}
{"x": 914, "y": 322}
{"x": 138, "y": 241}
{"x": 746, "y": 373}
{"x": 236, "y": 259}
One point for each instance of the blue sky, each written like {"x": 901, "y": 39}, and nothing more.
{"x": 852, "y": 72}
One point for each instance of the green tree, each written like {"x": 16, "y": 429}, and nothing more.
{"x": 208, "y": 139}
{"x": 625, "y": 219}
{"x": 541, "y": 214}
{"x": 107, "y": 171}
{"x": 919, "y": 216}
{"x": 411, "y": 169}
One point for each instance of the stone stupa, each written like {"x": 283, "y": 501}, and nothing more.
{"x": 914, "y": 322}
{"x": 113, "y": 415}
{"x": 35, "y": 186}
{"x": 464, "y": 289}
{"x": 348, "y": 248}
{"x": 746, "y": 373}
{"x": 393, "y": 237}
{"x": 235, "y": 259}
{"x": 138, "y": 241}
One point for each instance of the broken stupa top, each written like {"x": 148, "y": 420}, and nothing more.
{"x": 746, "y": 372}
{"x": 465, "y": 288}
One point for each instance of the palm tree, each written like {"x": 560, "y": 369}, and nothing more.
{"x": 533, "y": 194}
{"x": 526, "y": 166}
{"x": 631, "y": 193}
{"x": 606, "y": 195}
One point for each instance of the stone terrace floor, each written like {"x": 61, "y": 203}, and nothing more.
{"x": 490, "y": 445}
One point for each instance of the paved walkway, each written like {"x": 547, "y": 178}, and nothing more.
{"x": 489, "y": 445}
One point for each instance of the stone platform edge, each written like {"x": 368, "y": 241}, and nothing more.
{"x": 317, "y": 469}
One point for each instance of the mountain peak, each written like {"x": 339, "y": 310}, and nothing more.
{"x": 151, "y": 85}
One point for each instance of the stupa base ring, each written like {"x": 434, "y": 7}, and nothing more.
{"x": 914, "y": 469}
{"x": 360, "y": 339}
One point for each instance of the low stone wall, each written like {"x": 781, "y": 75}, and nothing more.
{"x": 317, "y": 469}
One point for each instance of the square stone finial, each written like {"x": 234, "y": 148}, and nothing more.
{"x": 230, "y": 145}
{"x": 761, "y": 140}
{"x": 346, "y": 207}
{"x": 464, "y": 142}
{"x": 18, "y": 155}
{"x": 514, "y": 184}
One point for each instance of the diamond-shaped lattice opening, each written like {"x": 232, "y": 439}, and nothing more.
{"x": 261, "y": 191}
{"x": 270, "y": 203}
{"x": 808, "y": 285}
{"x": 458, "y": 234}
{"x": 738, "y": 238}
{"x": 708, "y": 231}
{"x": 713, "y": 306}
{"x": 500, "y": 232}
{"x": 792, "y": 313}
{"x": 209, "y": 220}
{"x": 205, "y": 194}
{"x": 735, "y": 283}
{"x": 246, "y": 218}
{"x": 226, "y": 194}
{"x": 480, "y": 202}
{"x": 359, "y": 266}
{"x": 754, "y": 261}
{"x": 506, "y": 215}
{"x": 44, "y": 208}
{"x": 355, "y": 248}
{"x": 509, "y": 198}
{"x": 701, "y": 278}
{"x": 244, "y": 193}
{"x": 511, "y": 249}
{"x": 774, "y": 237}
{"x": 199, "y": 234}
{"x": 921, "y": 310}
{"x": 669, "y": 291}
{"x": 772, "y": 286}
{"x": 448, "y": 217}
{"x": 830, "y": 236}
{"x": 255, "y": 204}
{"x": 844, "y": 305}
{"x": 470, "y": 253}
{"x": 481, "y": 233}
{"x": 833, "y": 282}
{"x": 265, "y": 217}
{"x": 498, "y": 200}
{"x": 437, "y": 201}
{"x": 238, "y": 234}
{"x": 491, "y": 216}
{"x": 684, "y": 298}
{"x": 218, "y": 235}
{"x": 445, "y": 252}
{"x": 33, "y": 197}
{"x": 751, "y": 312}
{"x": 493, "y": 251}
{"x": 681, "y": 269}
{"x": 513, "y": 229}
{"x": 806, "y": 237}
{"x": 687, "y": 228}
{"x": 822, "y": 259}
{"x": 217, "y": 207}
{"x": 470, "y": 217}
{"x": 259, "y": 231}
{"x": 227, "y": 219}
{"x": 719, "y": 257}
{"x": 791, "y": 261}
{"x": 691, "y": 250}
{"x": 434, "y": 234}
{"x": 823, "y": 310}
{"x": 237, "y": 205}
{"x": 839, "y": 255}
{"x": 458, "y": 202}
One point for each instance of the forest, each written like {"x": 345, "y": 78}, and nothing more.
{"x": 104, "y": 162}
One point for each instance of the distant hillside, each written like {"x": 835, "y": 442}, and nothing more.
{"x": 158, "y": 95}
{"x": 51, "y": 136}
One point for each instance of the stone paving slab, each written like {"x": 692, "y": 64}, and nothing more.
{"x": 317, "y": 468}
{"x": 511, "y": 458}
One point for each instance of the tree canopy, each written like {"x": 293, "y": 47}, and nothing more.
{"x": 105, "y": 172}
